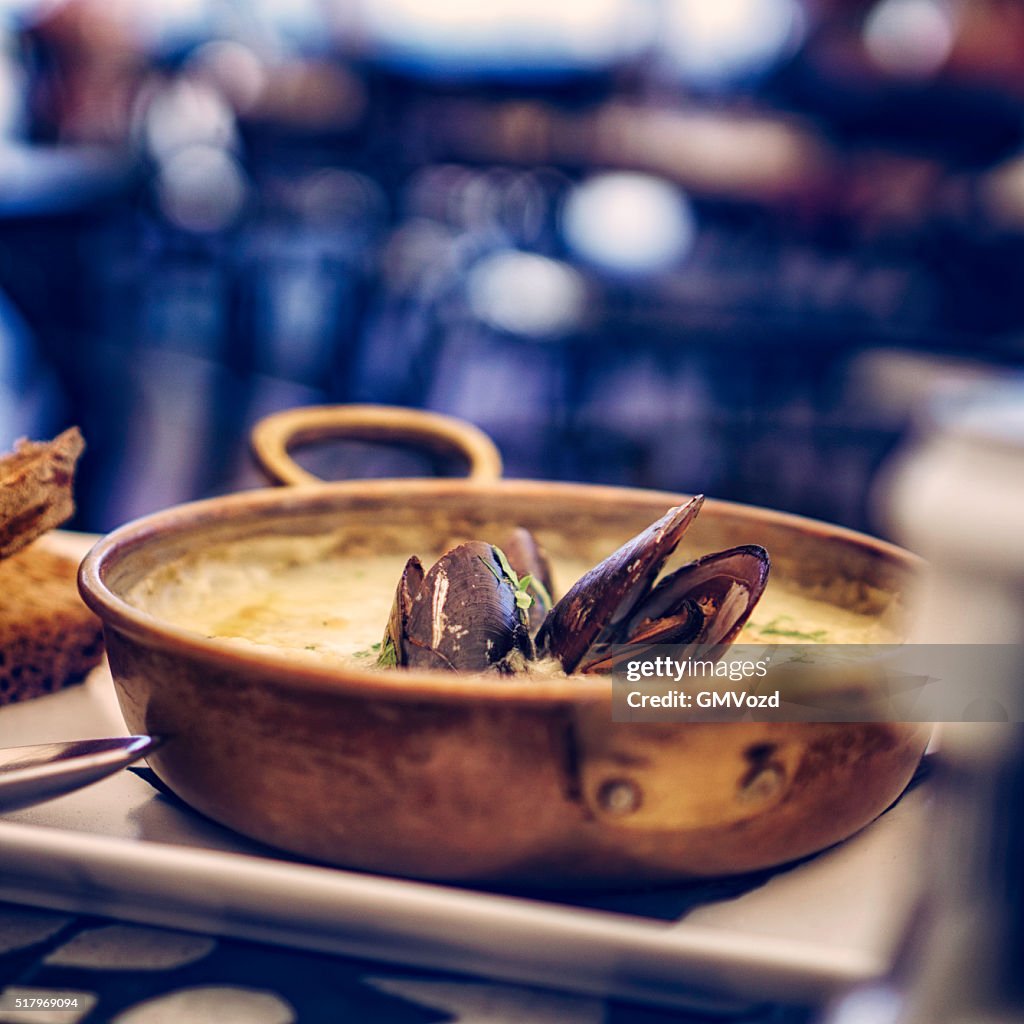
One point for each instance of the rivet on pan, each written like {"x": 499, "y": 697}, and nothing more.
{"x": 619, "y": 796}
{"x": 763, "y": 784}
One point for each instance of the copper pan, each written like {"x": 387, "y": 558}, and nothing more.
{"x": 454, "y": 777}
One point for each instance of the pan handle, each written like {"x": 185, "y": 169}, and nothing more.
{"x": 274, "y": 437}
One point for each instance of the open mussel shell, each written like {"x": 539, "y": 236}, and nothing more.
{"x": 703, "y": 605}
{"x": 725, "y": 586}
{"x": 463, "y": 615}
{"x": 597, "y": 605}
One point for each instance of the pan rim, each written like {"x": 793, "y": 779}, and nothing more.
{"x": 289, "y": 670}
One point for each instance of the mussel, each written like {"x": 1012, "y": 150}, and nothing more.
{"x": 468, "y": 613}
{"x": 480, "y": 607}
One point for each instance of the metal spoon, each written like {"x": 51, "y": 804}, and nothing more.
{"x": 30, "y": 775}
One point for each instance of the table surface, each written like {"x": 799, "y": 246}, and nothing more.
{"x": 137, "y": 974}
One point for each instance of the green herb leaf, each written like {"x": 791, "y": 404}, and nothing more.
{"x": 543, "y": 597}
{"x": 490, "y": 568}
{"x": 520, "y": 586}
{"x": 777, "y": 628}
{"x": 506, "y": 566}
{"x": 388, "y": 653}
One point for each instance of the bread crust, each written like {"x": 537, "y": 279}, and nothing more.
{"x": 36, "y": 488}
{"x": 48, "y": 638}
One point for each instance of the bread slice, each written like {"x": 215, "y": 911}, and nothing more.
{"x": 35, "y": 488}
{"x": 48, "y": 638}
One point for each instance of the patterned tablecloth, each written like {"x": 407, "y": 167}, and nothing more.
{"x": 135, "y": 974}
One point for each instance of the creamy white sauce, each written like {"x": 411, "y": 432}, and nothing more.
{"x": 305, "y": 596}
{"x": 785, "y": 616}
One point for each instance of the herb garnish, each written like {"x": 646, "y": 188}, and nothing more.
{"x": 776, "y": 628}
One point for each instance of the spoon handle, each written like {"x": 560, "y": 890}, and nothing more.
{"x": 30, "y": 775}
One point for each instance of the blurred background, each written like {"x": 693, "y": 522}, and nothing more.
{"x": 726, "y": 247}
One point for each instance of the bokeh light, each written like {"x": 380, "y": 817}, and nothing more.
{"x": 526, "y": 294}
{"x": 201, "y": 188}
{"x": 465, "y": 34}
{"x": 910, "y": 38}
{"x": 188, "y": 112}
{"x": 718, "y": 41}
{"x": 233, "y": 69}
{"x": 630, "y": 223}
{"x": 875, "y": 1005}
